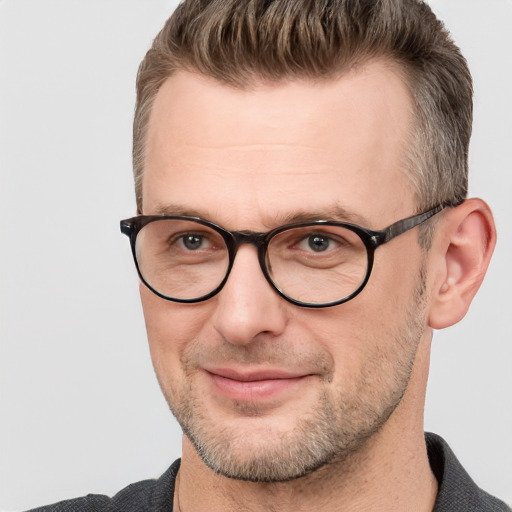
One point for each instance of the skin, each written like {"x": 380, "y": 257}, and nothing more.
{"x": 366, "y": 361}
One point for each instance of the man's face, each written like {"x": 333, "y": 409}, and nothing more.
{"x": 266, "y": 390}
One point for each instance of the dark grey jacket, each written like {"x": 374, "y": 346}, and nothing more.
{"x": 457, "y": 491}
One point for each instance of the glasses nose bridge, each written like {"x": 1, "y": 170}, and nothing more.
{"x": 254, "y": 238}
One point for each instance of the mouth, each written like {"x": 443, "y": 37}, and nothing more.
{"x": 256, "y": 385}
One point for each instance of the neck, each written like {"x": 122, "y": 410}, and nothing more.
{"x": 390, "y": 473}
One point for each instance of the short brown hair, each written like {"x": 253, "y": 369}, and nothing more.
{"x": 239, "y": 41}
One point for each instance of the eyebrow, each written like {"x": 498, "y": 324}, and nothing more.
{"x": 333, "y": 213}
{"x": 173, "y": 209}
{"x": 336, "y": 213}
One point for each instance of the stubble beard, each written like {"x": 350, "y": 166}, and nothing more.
{"x": 336, "y": 428}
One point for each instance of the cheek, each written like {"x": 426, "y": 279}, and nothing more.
{"x": 170, "y": 327}
{"x": 367, "y": 327}
{"x": 395, "y": 274}
{"x": 344, "y": 332}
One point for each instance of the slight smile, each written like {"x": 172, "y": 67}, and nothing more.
{"x": 253, "y": 386}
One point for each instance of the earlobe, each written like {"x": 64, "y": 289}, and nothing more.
{"x": 462, "y": 250}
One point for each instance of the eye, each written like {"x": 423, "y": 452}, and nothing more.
{"x": 310, "y": 242}
{"x": 192, "y": 241}
{"x": 188, "y": 242}
{"x": 318, "y": 242}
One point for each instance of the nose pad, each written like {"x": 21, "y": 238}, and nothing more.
{"x": 248, "y": 305}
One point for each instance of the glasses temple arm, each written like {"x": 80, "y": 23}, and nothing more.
{"x": 404, "y": 225}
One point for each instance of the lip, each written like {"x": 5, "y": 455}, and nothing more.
{"x": 254, "y": 385}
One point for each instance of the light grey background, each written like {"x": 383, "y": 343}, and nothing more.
{"x": 80, "y": 408}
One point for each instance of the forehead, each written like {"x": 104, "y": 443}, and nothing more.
{"x": 273, "y": 149}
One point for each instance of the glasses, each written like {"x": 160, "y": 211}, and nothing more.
{"x": 311, "y": 264}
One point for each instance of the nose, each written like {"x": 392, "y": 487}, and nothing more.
{"x": 247, "y": 306}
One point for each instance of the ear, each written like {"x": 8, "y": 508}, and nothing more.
{"x": 461, "y": 251}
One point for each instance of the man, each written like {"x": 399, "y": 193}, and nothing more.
{"x": 301, "y": 182}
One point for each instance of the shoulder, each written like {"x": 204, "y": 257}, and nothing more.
{"x": 457, "y": 490}
{"x": 146, "y": 496}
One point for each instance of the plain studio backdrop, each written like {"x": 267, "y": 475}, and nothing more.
{"x": 81, "y": 411}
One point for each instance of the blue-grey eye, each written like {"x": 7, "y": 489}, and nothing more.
{"x": 318, "y": 243}
{"x": 192, "y": 242}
